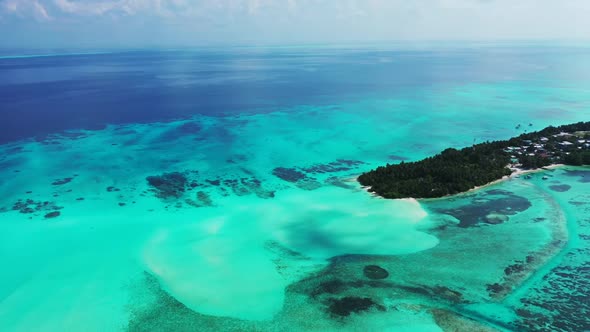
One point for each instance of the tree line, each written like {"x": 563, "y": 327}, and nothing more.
{"x": 454, "y": 171}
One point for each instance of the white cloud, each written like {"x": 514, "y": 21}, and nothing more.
{"x": 40, "y": 12}
{"x": 25, "y": 9}
{"x": 319, "y": 20}
{"x": 165, "y": 8}
{"x": 85, "y": 8}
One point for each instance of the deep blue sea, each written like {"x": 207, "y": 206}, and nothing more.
{"x": 214, "y": 190}
{"x": 47, "y": 94}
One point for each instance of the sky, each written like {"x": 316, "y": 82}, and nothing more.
{"x": 139, "y": 23}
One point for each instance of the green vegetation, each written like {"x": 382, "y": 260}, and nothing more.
{"x": 455, "y": 171}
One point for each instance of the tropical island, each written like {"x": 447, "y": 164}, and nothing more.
{"x": 455, "y": 171}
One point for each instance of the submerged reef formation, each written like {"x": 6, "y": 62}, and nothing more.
{"x": 176, "y": 187}
{"x": 552, "y": 306}
{"x": 168, "y": 185}
{"x": 375, "y": 272}
{"x": 559, "y": 301}
{"x": 53, "y": 214}
{"x": 306, "y": 177}
{"x": 29, "y": 206}
{"x": 454, "y": 171}
{"x": 202, "y": 200}
{"x": 352, "y": 304}
{"x": 560, "y": 187}
{"x": 340, "y": 165}
{"x": 242, "y": 187}
{"x": 494, "y": 208}
{"x": 288, "y": 174}
{"x": 439, "y": 286}
{"x": 34, "y": 208}
{"x": 296, "y": 177}
{"x": 63, "y": 181}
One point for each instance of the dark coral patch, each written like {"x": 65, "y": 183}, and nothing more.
{"x": 495, "y": 288}
{"x": 29, "y": 206}
{"x": 448, "y": 294}
{"x": 442, "y": 292}
{"x": 243, "y": 187}
{"x": 301, "y": 176}
{"x": 338, "y": 182}
{"x": 577, "y": 203}
{"x": 254, "y": 185}
{"x": 339, "y": 165}
{"x": 63, "y": 181}
{"x": 309, "y": 184}
{"x": 202, "y": 200}
{"x": 350, "y": 163}
{"x": 517, "y": 267}
{"x": 351, "y": 304}
{"x": 214, "y": 182}
{"x": 168, "y": 185}
{"x": 560, "y": 188}
{"x": 112, "y": 189}
{"x": 375, "y": 272}
{"x": 238, "y": 189}
{"x": 288, "y": 174}
{"x": 53, "y": 214}
{"x": 333, "y": 286}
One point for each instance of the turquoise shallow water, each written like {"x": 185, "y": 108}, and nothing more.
{"x": 271, "y": 231}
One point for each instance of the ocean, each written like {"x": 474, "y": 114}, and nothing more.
{"x": 214, "y": 189}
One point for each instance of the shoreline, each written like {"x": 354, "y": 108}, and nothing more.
{"x": 516, "y": 173}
